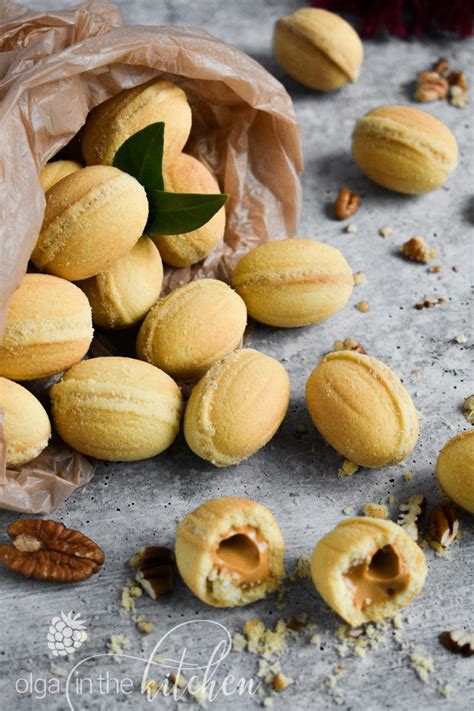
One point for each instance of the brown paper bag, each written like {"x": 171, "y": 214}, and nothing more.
{"x": 54, "y": 68}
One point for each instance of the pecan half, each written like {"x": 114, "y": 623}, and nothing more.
{"x": 459, "y": 642}
{"x": 155, "y": 570}
{"x": 347, "y": 203}
{"x": 443, "y": 524}
{"x": 411, "y": 514}
{"x": 47, "y": 550}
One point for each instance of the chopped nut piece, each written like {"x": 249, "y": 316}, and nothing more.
{"x": 459, "y": 642}
{"x": 145, "y": 626}
{"x": 155, "y": 571}
{"x": 359, "y": 278}
{"x": 363, "y": 306}
{"x": 435, "y": 269}
{"x": 458, "y": 97}
{"x": 375, "y": 510}
{"x": 349, "y": 344}
{"x": 429, "y": 303}
{"x": 47, "y": 550}
{"x": 431, "y": 87}
{"x": 294, "y": 624}
{"x": 347, "y": 204}
{"x": 385, "y": 231}
{"x": 441, "y": 66}
{"x": 443, "y": 524}
{"x": 177, "y": 680}
{"x": 460, "y": 339}
{"x": 411, "y": 514}
{"x": 417, "y": 249}
{"x": 408, "y": 476}
{"x": 458, "y": 79}
{"x": 469, "y": 409}
{"x": 280, "y": 682}
{"x": 351, "y": 228}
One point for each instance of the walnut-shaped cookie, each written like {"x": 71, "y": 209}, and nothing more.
{"x": 455, "y": 470}
{"x": 229, "y": 552}
{"x": 367, "y": 569}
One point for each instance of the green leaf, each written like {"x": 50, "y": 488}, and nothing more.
{"x": 178, "y": 213}
{"x": 141, "y": 155}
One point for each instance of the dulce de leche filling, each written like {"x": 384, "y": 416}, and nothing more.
{"x": 379, "y": 579}
{"x": 244, "y": 555}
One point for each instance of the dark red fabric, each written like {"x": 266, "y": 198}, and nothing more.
{"x": 407, "y": 17}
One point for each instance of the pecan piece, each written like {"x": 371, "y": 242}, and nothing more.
{"x": 468, "y": 408}
{"x": 347, "y": 204}
{"x": 458, "y": 79}
{"x": 431, "y": 87}
{"x": 47, "y": 550}
{"x": 417, "y": 250}
{"x": 441, "y": 66}
{"x": 459, "y": 642}
{"x": 443, "y": 524}
{"x": 155, "y": 570}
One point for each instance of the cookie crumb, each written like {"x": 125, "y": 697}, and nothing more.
{"x": 351, "y": 228}
{"x": 347, "y": 468}
{"x": 375, "y": 510}
{"x": 116, "y": 644}
{"x": 460, "y": 339}
{"x": 408, "y": 476}
{"x": 423, "y": 666}
{"x": 363, "y": 306}
{"x": 386, "y": 231}
{"x": 359, "y": 278}
{"x": 445, "y": 690}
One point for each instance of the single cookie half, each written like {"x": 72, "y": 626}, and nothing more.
{"x": 229, "y": 552}
{"x": 367, "y": 569}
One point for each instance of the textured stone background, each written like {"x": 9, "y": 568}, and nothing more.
{"x": 132, "y": 505}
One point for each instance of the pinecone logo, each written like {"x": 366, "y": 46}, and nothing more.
{"x": 66, "y": 634}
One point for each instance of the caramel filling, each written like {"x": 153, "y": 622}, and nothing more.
{"x": 379, "y": 579}
{"x": 244, "y": 555}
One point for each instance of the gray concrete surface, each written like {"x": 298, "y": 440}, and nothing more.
{"x": 131, "y": 505}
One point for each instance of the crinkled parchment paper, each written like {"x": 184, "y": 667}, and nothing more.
{"x": 54, "y": 68}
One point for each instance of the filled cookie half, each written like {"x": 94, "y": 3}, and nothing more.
{"x": 229, "y": 552}
{"x": 367, "y": 569}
